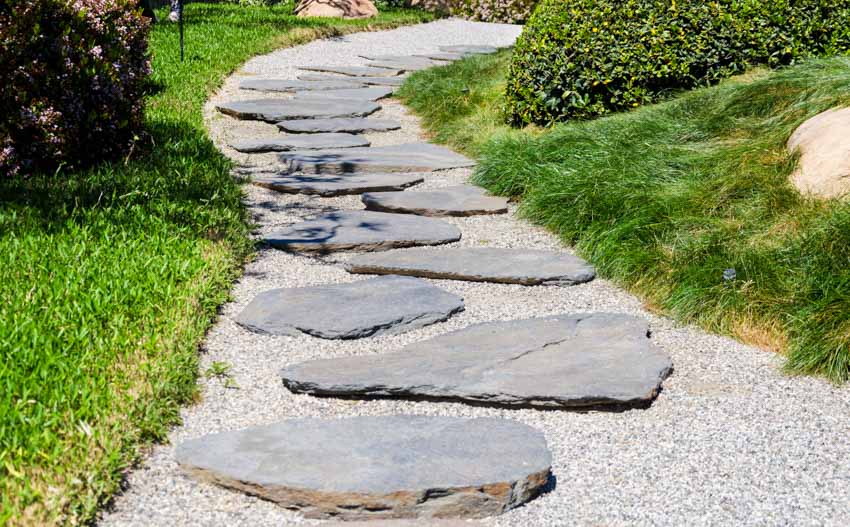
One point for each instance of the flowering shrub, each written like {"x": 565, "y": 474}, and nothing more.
{"x": 73, "y": 73}
{"x": 504, "y": 11}
{"x": 585, "y": 58}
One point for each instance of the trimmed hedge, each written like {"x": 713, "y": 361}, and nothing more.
{"x": 585, "y": 58}
{"x": 73, "y": 78}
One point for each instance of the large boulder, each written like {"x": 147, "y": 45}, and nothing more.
{"x": 337, "y": 8}
{"x": 823, "y": 143}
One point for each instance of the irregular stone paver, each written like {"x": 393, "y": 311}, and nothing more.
{"x": 328, "y": 185}
{"x": 479, "y": 264}
{"x": 411, "y": 157}
{"x": 350, "y": 125}
{"x": 275, "y": 110}
{"x": 354, "y": 71}
{"x": 299, "y": 142}
{"x": 558, "y": 362}
{"x": 442, "y": 56}
{"x": 377, "y": 306}
{"x": 379, "y": 81}
{"x": 470, "y": 50}
{"x": 416, "y": 60}
{"x": 395, "y": 466}
{"x": 462, "y": 200}
{"x": 363, "y": 230}
{"x": 372, "y": 93}
{"x": 286, "y": 85}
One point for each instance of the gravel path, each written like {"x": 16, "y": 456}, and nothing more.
{"x": 731, "y": 440}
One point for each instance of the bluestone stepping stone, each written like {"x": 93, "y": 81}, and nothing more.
{"x": 354, "y": 71}
{"x": 287, "y": 85}
{"x": 275, "y": 110}
{"x": 363, "y": 230}
{"x": 417, "y": 60}
{"x": 479, "y": 264}
{"x": 377, "y": 306}
{"x": 372, "y": 93}
{"x": 467, "y": 50}
{"x": 411, "y": 157}
{"x": 447, "y": 57}
{"x": 580, "y": 361}
{"x": 378, "y": 467}
{"x": 328, "y": 185}
{"x": 350, "y": 125}
{"x": 462, "y": 200}
{"x": 380, "y": 81}
{"x": 299, "y": 142}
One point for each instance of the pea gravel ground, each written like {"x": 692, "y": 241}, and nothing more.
{"x": 731, "y": 440}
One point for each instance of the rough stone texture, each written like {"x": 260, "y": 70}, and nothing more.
{"x": 363, "y": 231}
{"x": 462, "y": 200}
{"x": 379, "y": 467}
{"x": 336, "y": 185}
{"x": 824, "y": 145}
{"x": 479, "y": 264}
{"x": 350, "y": 125}
{"x": 299, "y": 142}
{"x": 378, "y": 81}
{"x": 287, "y": 85}
{"x": 412, "y": 157}
{"x": 336, "y": 8}
{"x": 354, "y": 71}
{"x": 404, "y": 60}
{"x": 377, "y": 306}
{"x": 448, "y": 57}
{"x": 469, "y": 50}
{"x": 560, "y": 362}
{"x": 275, "y": 110}
{"x": 372, "y": 93}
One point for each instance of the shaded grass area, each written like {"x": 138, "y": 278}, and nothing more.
{"x": 109, "y": 277}
{"x": 665, "y": 199}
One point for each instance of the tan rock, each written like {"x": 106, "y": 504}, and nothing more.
{"x": 824, "y": 145}
{"x": 337, "y": 8}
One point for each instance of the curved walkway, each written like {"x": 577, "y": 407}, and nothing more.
{"x": 731, "y": 440}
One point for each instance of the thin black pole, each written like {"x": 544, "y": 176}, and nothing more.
{"x": 180, "y": 24}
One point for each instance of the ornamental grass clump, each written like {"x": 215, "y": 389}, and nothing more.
{"x": 73, "y": 74}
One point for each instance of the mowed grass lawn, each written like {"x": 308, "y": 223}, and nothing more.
{"x": 110, "y": 277}
{"x": 665, "y": 199}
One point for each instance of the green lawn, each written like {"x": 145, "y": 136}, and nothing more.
{"x": 664, "y": 199}
{"x": 110, "y": 277}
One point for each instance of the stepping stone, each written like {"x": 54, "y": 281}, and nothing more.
{"x": 299, "y": 142}
{"x": 479, "y": 264}
{"x": 582, "y": 361}
{"x": 412, "y": 157}
{"x": 275, "y": 110}
{"x": 443, "y": 56}
{"x": 467, "y": 50}
{"x": 350, "y": 125}
{"x": 380, "y": 81}
{"x": 412, "y": 59}
{"x": 335, "y": 185}
{"x": 378, "y": 467}
{"x": 401, "y": 66}
{"x": 286, "y": 85}
{"x": 372, "y": 93}
{"x": 463, "y": 200}
{"x": 354, "y": 71}
{"x": 363, "y": 230}
{"x": 386, "y": 305}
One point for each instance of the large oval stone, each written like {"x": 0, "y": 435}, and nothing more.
{"x": 594, "y": 360}
{"x": 275, "y": 110}
{"x": 361, "y": 468}
{"x": 383, "y": 305}
{"x": 462, "y": 200}
{"x": 410, "y": 157}
{"x": 362, "y": 230}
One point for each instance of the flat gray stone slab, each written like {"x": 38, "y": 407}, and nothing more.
{"x": 479, "y": 264}
{"x": 448, "y": 57}
{"x": 351, "y": 125}
{"x": 559, "y": 362}
{"x": 372, "y": 93}
{"x": 299, "y": 142}
{"x": 354, "y": 71}
{"x": 378, "y": 467}
{"x": 400, "y": 62}
{"x": 275, "y": 110}
{"x": 412, "y": 157}
{"x": 380, "y": 81}
{"x": 363, "y": 230}
{"x": 328, "y": 185}
{"x": 462, "y": 200}
{"x": 469, "y": 50}
{"x": 377, "y": 306}
{"x": 287, "y": 85}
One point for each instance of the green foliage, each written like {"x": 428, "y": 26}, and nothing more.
{"x": 502, "y": 11}
{"x": 585, "y": 58}
{"x": 664, "y": 199}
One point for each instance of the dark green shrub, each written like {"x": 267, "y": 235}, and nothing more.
{"x": 584, "y": 58}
